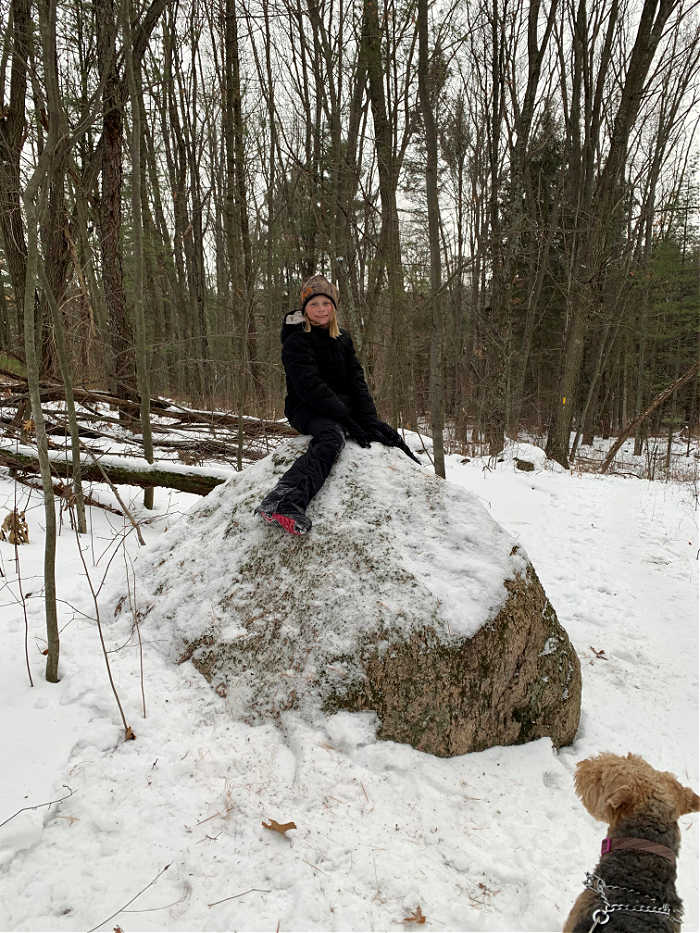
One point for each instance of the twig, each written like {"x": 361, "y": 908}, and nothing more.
{"x": 63, "y": 492}
{"x": 128, "y": 732}
{"x": 316, "y": 868}
{"x": 425, "y": 449}
{"x": 148, "y": 910}
{"x": 117, "y": 496}
{"x": 112, "y": 916}
{"x": 123, "y": 534}
{"x": 24, "y": 601}
{"x": 135, "y": 616}
{"x": 218, "y": 813}
{"x": 234, "y": 896}
{"x": 38, "y": 805}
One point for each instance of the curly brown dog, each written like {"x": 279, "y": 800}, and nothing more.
{"x": 633, "y": 888}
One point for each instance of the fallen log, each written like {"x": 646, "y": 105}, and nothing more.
{"x": 183, "y": 478}
{"x": 160, "y": 408}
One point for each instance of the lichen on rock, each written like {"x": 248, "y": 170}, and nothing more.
{"x": 406, "y": 598}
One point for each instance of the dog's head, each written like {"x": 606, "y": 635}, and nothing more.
{"x": 612, "y": 787}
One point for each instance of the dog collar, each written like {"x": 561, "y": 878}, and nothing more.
{"x": 645, "y": 845}
{"x": 647, "y": 904}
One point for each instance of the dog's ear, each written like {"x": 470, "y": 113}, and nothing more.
{"x": 591, "y": 786}
{"x": 608, "y": 785}
{"x": 620, "y": 796}
{"x": 690, "y": 802}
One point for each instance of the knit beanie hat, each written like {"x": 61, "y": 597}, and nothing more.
{"x": 318, "y": 285}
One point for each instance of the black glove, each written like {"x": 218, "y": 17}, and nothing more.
{"x": 378, "y": 431}
{"x": 402, "y": 445}
{"x": 388, "y": 436}
{"x": 356, "y": 433}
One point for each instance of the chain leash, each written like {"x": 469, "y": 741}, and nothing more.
{"x": 601, "y": 915}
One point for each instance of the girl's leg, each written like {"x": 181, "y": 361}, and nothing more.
{"x": 306, "y": 476}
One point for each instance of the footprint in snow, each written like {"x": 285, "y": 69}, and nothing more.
{"x": 551, "y": 779}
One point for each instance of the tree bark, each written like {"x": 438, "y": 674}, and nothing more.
{"x": 389, "y": 253}
{"x": 12, "y": 135}
{"x": 427, "y": 94}
{"x": 67, "y": 376}
{"x": 110, "y": 219}
{"x": 133, "y": 70}
{"x": 194, "y": 480}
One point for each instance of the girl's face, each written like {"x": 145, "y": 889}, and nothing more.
{"x": 319, "y": 310}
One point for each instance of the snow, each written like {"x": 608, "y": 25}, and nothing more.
{"x": 122, "y": 462}
{"x": 392, "y": 545}
{"x": 489, "y": 841}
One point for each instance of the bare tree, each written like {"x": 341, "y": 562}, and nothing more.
{"x": 427, "y": 92}
{"x": 12, "y": 137}
{"x": 593, "y": 193}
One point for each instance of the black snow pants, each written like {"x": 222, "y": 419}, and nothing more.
{"x": 308, "y": 473}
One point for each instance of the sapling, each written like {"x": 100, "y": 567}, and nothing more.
{"x": 135, "y": 616}
{"x": 33, "y": 212}
{"x": 128, "y": 732}
{"x": 22, "y": 598}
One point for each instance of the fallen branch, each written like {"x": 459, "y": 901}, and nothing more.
{"x": 234, "y": 896}
{"x": 66, "y": 492}
{"x": 634, "y": 424}
{"x": 53, "y": 392}
{"x": 128, "y": 903}
{"x": 37, "y": 806}
{"x": 190, "y": 479}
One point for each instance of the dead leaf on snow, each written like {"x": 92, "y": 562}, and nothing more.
{"x": 488, "y": 890}
{"x": 279, "y": 827}
{"x": 416, "y": 917}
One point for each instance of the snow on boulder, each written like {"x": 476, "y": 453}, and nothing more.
{"x": 406, "y": 598}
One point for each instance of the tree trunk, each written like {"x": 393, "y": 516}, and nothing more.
{"x": 52, "y": 637}
{"x": 598, "y": 227}
{"x": 12, "y": 137}
{"x": 389, "y": 253}
{"x": 67, "y": 376}
{"x": 123, "y": 376}
{"x": 133, "y": 70}
{"x": 427, "y": 93}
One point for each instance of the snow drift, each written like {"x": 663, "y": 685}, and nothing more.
{"x": 406, "y": 598}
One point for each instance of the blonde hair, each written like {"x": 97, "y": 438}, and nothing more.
{"x": 333, "y": 329}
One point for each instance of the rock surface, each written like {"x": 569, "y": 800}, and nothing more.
{"x": 406, "y": 598}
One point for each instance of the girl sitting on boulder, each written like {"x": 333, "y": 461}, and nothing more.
{"x": 327, "y": 397}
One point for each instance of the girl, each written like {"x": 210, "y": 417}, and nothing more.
{"x": 327, "y": 397}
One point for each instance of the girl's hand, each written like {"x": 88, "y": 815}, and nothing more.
{"x": 356, "y": 433}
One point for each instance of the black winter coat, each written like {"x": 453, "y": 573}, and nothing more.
{"x": 324, "y": 376}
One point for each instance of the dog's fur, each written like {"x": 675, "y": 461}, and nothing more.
{"x": 639, "y": 802}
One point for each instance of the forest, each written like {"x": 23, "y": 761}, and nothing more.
{"x": 505, "y": 192}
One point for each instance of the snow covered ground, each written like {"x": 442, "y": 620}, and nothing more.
{"x": 488, "y": 841}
